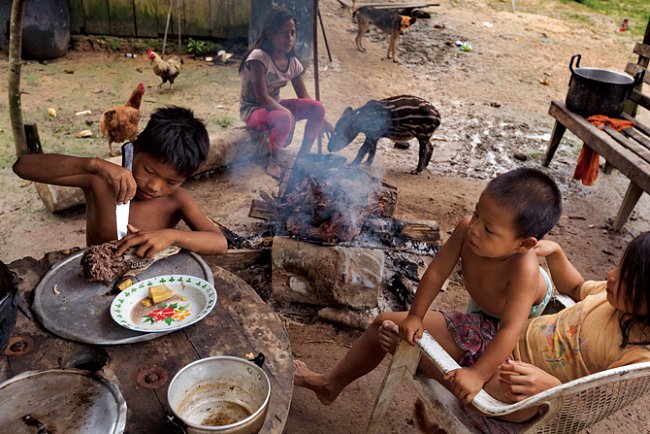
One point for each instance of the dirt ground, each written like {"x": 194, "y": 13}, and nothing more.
{"x": 493, "y": 101}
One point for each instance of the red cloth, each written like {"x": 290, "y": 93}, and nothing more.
{"x": 601, "y": 121}
{"x": 587, "y": 166}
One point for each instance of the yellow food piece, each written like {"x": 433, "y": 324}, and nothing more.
{"x": 160, "y": 293}
{"x": 124, "y": 284}
{"x": 146, "y": 302}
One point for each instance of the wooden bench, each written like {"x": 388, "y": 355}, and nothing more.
{"x": 628, "y": 150}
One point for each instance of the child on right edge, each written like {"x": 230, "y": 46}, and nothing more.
{"x": 501, "y": 273}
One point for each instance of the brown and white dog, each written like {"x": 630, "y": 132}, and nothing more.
{"x": 388, "y": 22}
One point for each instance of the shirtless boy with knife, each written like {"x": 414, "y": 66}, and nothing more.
{"x": 167, "y": 151}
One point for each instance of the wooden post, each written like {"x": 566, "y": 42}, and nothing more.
{"x": 180, "y": 12}
{"x": 15, "y": 59}
{"x": 33, "y": 140}
{"x": 169, "y": 15}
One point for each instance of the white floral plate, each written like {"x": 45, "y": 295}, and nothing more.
{"x": 193, "y": 299}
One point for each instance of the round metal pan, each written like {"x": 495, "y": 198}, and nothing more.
{"x": 80, "y": 310}
{"x": 61, "y": 401}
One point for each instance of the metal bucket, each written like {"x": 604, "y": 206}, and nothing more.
{"x": 220, "y": 394}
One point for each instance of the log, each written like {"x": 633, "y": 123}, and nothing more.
{"x": 233, "y": 146}
{"x": 421, "y": 230}
{"x": 58, "y": 198}
{"x": 359, "y": 320}
{"x": 241, "y": 261}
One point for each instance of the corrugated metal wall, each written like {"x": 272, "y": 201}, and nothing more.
{"x": 147, "y": 18}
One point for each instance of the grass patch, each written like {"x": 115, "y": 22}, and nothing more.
{"x": 224, "y": 121}
{"x": 636, "y": 11}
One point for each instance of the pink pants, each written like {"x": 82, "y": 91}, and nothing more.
{"x": 281, "y": 123}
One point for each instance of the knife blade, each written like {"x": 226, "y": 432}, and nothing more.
{"x": 122, "y": 210}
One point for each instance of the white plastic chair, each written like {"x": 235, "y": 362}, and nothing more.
{"x": 572, "y": 406}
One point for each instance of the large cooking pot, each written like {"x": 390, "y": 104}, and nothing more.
{"x": 8, "y": 304}
{"x": 595, "y": 91}
{"x": 220, "y": 395}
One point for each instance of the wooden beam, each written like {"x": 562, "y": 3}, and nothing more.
{"x": 15, "y": 59}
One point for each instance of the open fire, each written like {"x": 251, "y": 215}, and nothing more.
{"x": 329, "y": 202}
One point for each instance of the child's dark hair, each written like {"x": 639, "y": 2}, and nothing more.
{"x": 277, "y": 16}
{"x": 532, "y": 196}
{"x": 635, "y": 277}
{"x": 175, "y": 137}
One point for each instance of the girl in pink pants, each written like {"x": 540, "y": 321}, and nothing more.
{"x": 269, "y": 66}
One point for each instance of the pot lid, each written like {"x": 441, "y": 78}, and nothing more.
{"x": 61, "y": 401}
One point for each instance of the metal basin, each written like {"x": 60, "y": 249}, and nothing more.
{"x": 222, "y": 394}
{"x": 61, "y": 401}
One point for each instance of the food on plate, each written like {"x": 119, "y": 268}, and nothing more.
{"x": 160, "y": 293}
{"x": 124, "y": 283}
{"x": 101, "y": 264}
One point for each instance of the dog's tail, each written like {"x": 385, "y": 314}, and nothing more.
{"x": 422, "y": 421}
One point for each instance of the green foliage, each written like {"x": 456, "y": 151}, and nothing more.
{"x": 114, "y": 44}
{"x": 637, "y": 11}
{"x": 196, "y": 47}
{"x": 224, "y": 121}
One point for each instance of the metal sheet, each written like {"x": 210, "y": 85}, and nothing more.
{"x": 62, "y": 401}
{"x": 81, "y": 310}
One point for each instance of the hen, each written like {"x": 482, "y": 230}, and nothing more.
{"x": 120, "y": 123}
{"x": 168, "y": 69}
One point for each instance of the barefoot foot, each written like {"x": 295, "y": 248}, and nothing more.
{"x": 388, "y": 336}
{"x": 305, "y": 377}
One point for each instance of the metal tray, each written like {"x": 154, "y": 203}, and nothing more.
{"x": 62, "y": 401}
{"x": 81, "y": 310}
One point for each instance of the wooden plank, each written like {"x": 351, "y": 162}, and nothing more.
{"x": 122, "y": 20}
{"x": 636, "y": 135}
{"x": 642, "y": 50}
{"x": 77, "y": 21}
{"x": 229, "y": 18}
{"x": 240, "y": 323}
{"x": 639, "y": 126}
{"x": 261, "y": 210}
{"x": 640, "y": 99}
{"x": 96, "y": 16}
{"x": 146, "y": 18}
{"x": 632, "y": 68}
{"x": 196, "y": 18}
{"x": 628, "y": 163}
{"x": 629, "y": 144}
{"x": 239, "y": 260}
{"x": 423, "y": 230}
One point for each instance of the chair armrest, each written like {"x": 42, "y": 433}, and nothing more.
{"x": 492, "y": 407}
{"x": 443, "y": 361}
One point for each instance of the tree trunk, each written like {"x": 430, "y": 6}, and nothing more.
{"x": 15, "y": 59}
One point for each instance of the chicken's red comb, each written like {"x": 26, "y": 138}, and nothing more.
{"x": 150, "y": 51}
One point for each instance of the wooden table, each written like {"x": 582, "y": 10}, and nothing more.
{"x": 240, "y": 323}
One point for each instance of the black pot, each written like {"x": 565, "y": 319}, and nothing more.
{"x": 594, "y": 91}
{"x": 8, "y": 305}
